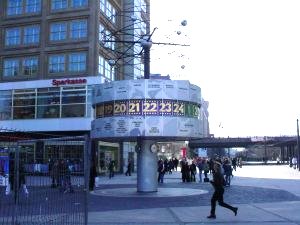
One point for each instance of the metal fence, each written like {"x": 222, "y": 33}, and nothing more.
{"x": 50, "y": 191}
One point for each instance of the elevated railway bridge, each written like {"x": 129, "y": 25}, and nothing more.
{"x": 287, "y": 144}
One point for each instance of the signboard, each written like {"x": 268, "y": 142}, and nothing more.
{"x": 4, "y": 167}
{"x": 202, "y": 152}
{"x": 63, "y": 82}
{"x": 183, "y": 152}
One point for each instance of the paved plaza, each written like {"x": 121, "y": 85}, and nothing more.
{"x": 264, "y": 194}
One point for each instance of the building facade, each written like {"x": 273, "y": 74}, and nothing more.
{"x": 52, "y": 52}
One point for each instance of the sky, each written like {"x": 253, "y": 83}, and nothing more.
{"x": 243, "y": 54}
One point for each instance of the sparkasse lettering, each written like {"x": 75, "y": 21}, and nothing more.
{"x": 68, "y": 82}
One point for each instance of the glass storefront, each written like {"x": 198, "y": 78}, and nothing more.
{"x": 51, "y": 102}
{"x": 48, "y": 102}
{"x": 37, "y": 160}
{"x": 71, "y": 152}
{"x": 106, "y": 153}
{"x": 5, "y": 105}
{"x": 24, "y": 104}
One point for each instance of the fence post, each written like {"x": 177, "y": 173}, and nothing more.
{"x": 87, "y": 152}
{"x": 16, "y": 184}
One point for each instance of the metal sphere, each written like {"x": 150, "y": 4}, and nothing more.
{"x": 183, "y": 22}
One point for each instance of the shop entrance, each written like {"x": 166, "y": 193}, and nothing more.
{"x": 106, "y": 153}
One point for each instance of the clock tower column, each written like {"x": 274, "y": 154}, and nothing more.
{"x": 147, "y": 166}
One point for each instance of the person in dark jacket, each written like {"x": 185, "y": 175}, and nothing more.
{"x": 217, "y": 182}
{"x": 111, "y": 168}
{"x": 227, "y": 172}
{"x": 161, "y": 171}
{"x": 185, "y": 170}
{"x": 193, "y": 171}
{"x": 129, "y": 168}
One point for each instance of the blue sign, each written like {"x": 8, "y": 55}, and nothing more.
{"x": 4, "y": 167}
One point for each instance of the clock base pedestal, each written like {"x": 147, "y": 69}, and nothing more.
{"x": 146, "y": 168}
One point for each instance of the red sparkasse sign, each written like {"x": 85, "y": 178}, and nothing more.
{"x": 68, "y": 81}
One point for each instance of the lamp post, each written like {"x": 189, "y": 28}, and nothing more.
{"x": 146, "y": 44}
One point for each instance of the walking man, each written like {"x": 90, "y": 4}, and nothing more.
{"x": 129, "y": 168}
{"x": 217, "y": 183}
{"x": 111, "y": 168}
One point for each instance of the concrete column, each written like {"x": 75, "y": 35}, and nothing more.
{"x": 146, "y": 168}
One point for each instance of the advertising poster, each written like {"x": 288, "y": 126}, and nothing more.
{"x": 107, "y": 127}
{"x": 136, "y": 89}
{"x": 136, "y": 126}
{"x": 183, "y": 90}
{"x": 185, "y": 127}
{"x": 121, "y": 90}
{"x": 4, "y": 167}
{"x": 107, "y": 91}
{"x": 169, "y": 90}
{"x": 153, "y": 126}
{"x": 121, "y": 127}
{"x": 153, "y": 89}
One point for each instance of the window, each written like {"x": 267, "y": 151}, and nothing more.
{"x": 48, "y": 103}
{"x": 48, "y": 96}
{"x": 32, "y": 6}
{"x": 78, "y": 29}
{"x": 14, "y": 7}
{"x": 13, "y": 36}
{"x": 5, "y": 105}
{"x": 102, "y": 5}
{"x": 31, "y": 35}
{"x": 77, "y": 62}
{"x": 73, "y": 102}
{"x": 62, "y": 31}
{"x": 11, "y": 67}
{"x": 78, "y": 3}
{"x": 90, "y": 111}
{"x": 73, "y": 110}
{"x": 59, "y": 4}
{"x": 101, "y": 65}
{"x": 107, "y": 8}
{"x": 30, "y": 66}
{"x": 17, "y": 7}
{"x": 105, "y": 69}
{"x": 24, "y": 104}
{"x": 106, "y": 38}
{"x": 144, "y": 6}
{"x": 143, "y": 28}
{"x": 64, "y": 4}
{"x": 56, "y": 64}
{"x": 58, "y": 31}
{"x": 51, "y": 102}
{"x": 22, "y": 35}
{"x": 73, "y": 97}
